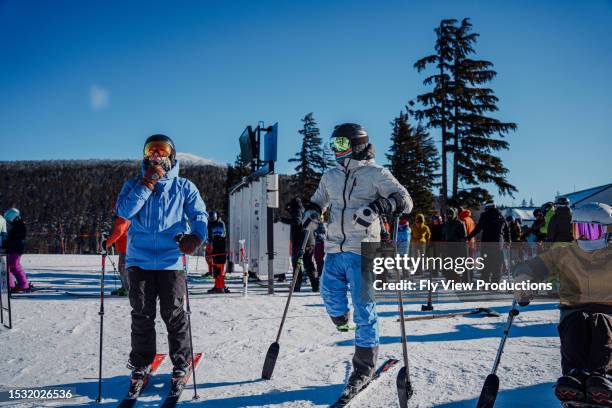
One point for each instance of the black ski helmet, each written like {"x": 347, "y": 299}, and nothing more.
{"x": 214, "y": 216}
{"x": 163, "y": 138}
{"x": 356, "y": 134}
{"x": 562, "y": 202}
{"x": 547, "y": 206}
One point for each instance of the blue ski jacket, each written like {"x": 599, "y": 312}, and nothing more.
{"x": 157, "y": 216}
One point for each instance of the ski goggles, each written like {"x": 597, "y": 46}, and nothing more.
{"x": 340, "y": 144}
{"x": 162, "y": 149}
{"x": 585, "y": 231}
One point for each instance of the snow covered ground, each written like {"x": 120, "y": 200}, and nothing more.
{"x": 54, "y": 342}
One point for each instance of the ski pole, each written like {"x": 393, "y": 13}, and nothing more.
{"x": 101, "y": 313}
{"x": 404, "y": 386}
{"x": 274, "y": 348}
{"x": 116, "y": 274}
{"x": 177, "y": 238}
{"x": 429, "y": 305}
{"x": 245, "y": 272}
{"x": 491, "y": 384}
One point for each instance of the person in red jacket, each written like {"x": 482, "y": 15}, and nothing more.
{"x": 119, "y": 238}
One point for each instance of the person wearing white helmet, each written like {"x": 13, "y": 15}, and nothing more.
{"x": 15, "y": 247}
{"x": 584, "y": 268}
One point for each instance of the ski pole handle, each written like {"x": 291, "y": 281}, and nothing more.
{"x": 104, "y": 237}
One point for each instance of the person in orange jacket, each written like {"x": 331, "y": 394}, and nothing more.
{"x": 119, "y": 237}
{"x": 465, "y": 215}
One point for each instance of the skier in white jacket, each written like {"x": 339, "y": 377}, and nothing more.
{"x": 356, "y": 192}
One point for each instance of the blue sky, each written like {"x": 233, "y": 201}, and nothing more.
{"x": 93, "y": 79}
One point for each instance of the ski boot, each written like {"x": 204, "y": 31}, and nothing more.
{"x": 342, "y": 323}
{"x": 29, "y": 289}
{"x": 570, "y": 387}
{"x": 137, "y": 380}
{"x": 364, "y": 361}
{"x": 357, "y": 381}
{"x": 253, "y": 277}
{"x": 599, "y": 390}
{"x": 120, "y": 292}
{"x": 345, "y": 327}
{"x": 176, "y": 383}
{"x": 218, "y": 290}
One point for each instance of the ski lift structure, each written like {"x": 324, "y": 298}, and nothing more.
{"x": 252, "y": 203}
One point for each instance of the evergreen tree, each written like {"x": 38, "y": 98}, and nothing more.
{"x": 524, "y": 203}
{"x": 473, "y": 141}
{"x": 329, "y": 159}
{"x": 437, "y": 104}
{"x": 237, "y": 171}
{"x": 531, "y": 204}
{"x": 458, "y": 107}
{"x": 310, "y": 159}
{"x": 413, "y": 160}
{"x": 470, "y": 198}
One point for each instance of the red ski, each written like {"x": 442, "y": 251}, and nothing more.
{"x": 177, "y": 389}
{"x": 136, "y": 389}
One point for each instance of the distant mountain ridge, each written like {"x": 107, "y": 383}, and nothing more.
{"x": 188, "y": 159}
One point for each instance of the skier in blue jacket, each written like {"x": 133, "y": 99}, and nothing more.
{"x": 160, "y": 204}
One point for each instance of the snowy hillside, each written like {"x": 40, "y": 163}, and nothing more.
{"x": 54, "y": 342}
{"x": 192, "y": 159}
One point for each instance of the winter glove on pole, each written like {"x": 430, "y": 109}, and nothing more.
{"x": 311, "y": 218}
{"x": 523, "y": 297}
{"x": 151, "y": 176}
{"x": 189, "y": 243}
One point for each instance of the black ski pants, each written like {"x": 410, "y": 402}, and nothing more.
{"x": 309, "y": 266}
{"x": 145, "y": 287}
{"x": 586, "y": 342}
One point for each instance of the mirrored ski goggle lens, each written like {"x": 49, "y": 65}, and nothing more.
{"x": 161, "y": 148}
{"x": 588, "y": 232}
{"x": 340, "y": 144}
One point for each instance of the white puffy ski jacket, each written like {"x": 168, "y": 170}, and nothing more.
{"x": 344, "y": 190}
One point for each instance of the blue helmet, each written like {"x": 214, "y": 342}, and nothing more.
{"x": 11, "y": 214}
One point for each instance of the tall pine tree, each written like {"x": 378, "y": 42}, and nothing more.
{"x": 474, "y": 161}
{"x": 437, "y": 103}
{"x": 459, "y": 107}
{"x": 310, "y": 159}
{"x": 414, "y": 161}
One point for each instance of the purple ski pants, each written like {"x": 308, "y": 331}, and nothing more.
{"x": 16, "y": 272}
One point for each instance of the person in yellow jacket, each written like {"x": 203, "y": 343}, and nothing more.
{"x": 420, "y": 236}
{"x": 584, "y": 268}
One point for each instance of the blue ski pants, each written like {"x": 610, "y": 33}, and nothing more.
{"x": 342, "y": 272}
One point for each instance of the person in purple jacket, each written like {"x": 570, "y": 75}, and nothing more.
{"x": 160, "y": 205}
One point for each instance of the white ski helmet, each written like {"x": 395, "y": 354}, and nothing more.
{"x": 592, "y": 224}
{"x": 11, "y": 214}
